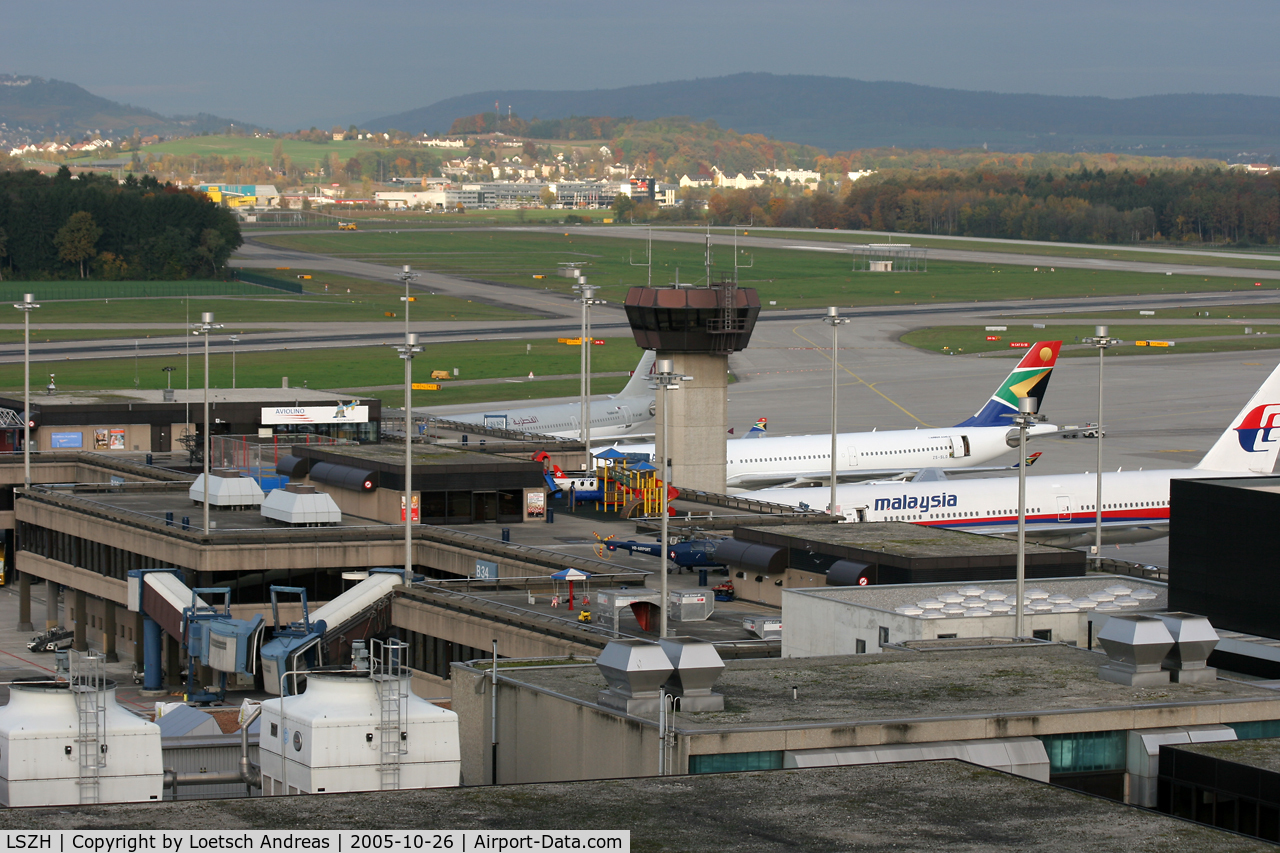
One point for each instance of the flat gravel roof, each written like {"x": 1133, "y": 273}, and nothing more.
{"x": 902, "y": 539}
{"x": 1263, "y": 753}
{"x": 933, "y": 805}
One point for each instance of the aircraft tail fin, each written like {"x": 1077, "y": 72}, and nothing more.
{"x": 1029, "y": 379}
{"x": 1250, "y": 444}
{"x": 760, "y": 430}
{"x": 638, "y": 384}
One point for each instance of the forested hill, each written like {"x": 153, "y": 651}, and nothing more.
{"x": 839, "y": 114}
{"x": 43, "y": 107}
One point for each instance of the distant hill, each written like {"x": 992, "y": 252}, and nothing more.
{"x": 37, "y": 107}
{"x": 840, "y": 114}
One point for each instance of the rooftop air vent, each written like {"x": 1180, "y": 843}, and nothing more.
{"x": 1193, "y": 641}
{"x": 697, "y": 666}
{"x": 227, "y": 492}
{"x": 301, "y": 506}
{"x": 635, "y": 671}
{"x": 1135, "y": 647}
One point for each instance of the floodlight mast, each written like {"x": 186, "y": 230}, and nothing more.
{"x": 1025, "y": 417}
{"x": 407, "y": 352}
{"x": 587, "y": 293}
{"x": 26, "y": 306}
{"x": 834, "y": 319}
{"x": 1101, "y": 340}
{"x": 204, "y": 327}
{"x": 665, "y": 379}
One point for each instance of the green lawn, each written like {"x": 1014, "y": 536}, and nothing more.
{"x": 457, "y": 395}
{"x": 789, "y": 278}
{"x": 1172, "y": 256}
{"x": 345, "y": 368}
{"x": 1260, "y": 311}
{"x": 972, "y": 339}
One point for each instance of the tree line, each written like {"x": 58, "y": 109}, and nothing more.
{"x": 1083, "y": 206}
{"x": 91, "y": 226}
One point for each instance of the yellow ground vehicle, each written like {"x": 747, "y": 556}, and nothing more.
{"x": 347, "y": 226}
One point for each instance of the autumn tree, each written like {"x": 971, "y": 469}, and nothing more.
{"x": 77, "y": 241}
{"x": 547, "y": 196}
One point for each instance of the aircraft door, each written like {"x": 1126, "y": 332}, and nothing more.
{"x": 862, "y": 513}
{"x": 627, "y": 418}
{"x": 960, "y": 447}
{"x": 1064, "y": 507}
{"x": 849, "y": 458}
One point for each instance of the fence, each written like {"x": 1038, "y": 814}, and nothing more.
{"x": 257, "y": 455}
{"x": 53, "y": 290}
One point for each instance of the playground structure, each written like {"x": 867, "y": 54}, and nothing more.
{"x": 624, "y": 483}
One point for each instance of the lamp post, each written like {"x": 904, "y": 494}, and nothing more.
{"x": 26, "y": 306}
{"x": 834, "y": 320}
{"x": 407, "y": 352}
{"x": 665, "y": 379}
{"x": 234, "y": 340}
{"x": 1025, "y": 417}
{"x": 587, "y": 293}
{"x": 1101, "y": 340}
{"x": 406, "y": 275}
{"x": 204, "y": 327}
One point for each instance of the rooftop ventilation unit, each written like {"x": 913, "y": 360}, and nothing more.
{"x": 228, "y": 490}
{"x": 1193, "y": 641}
{"x": 635, "y": 671}
{"x": 301, "y": 506}
{"x": 697, "y": 666}
{"x": 1135, "y": 646}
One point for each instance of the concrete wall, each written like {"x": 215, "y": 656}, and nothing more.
{"x": 478, "y": 632}
{"x": 814, "y": 625}
{"x": 698, "y": 422}
{"x": 546, "y": 737}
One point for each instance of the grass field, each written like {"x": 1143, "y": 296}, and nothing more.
{"x": 349, "y": 368}
{"x": 462, "y": 394}
{"x": 1172, "y": 256}
{"x": 301, "y": 151}
{"x": 789, "y": 278}
{"x": 1261, "y": 311}
{"x": 972, "y": 339}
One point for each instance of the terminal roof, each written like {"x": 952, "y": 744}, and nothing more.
{"x": 891, "y": 537}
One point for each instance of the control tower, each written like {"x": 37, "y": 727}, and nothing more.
{"x": 697, "y": 328}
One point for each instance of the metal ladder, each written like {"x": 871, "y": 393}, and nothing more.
{"x": 88, "y": 686}
{"x": 391, "y": 680}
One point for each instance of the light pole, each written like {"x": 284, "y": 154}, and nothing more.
{"x": 834, "y": 320}
{"x": 1025, "y": 417}
{"x": 26, "y": 306}
{"x": 586, "y": 292}
{"x": 665, "y": 379}
{"x": 234, "y": 340}
{"x": 1101, "y": 340}
{"x": 407, "y": 352}
{"x": 204, "y": 327}
{"x": 406, "y": 275}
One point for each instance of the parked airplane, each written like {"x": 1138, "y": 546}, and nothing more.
{"x": 627, "y": 413}
{"x": 1061, "y": 508}
{"x": 758, "y": 460}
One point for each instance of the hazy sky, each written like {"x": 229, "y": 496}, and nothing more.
{"x": 290, "y": 63}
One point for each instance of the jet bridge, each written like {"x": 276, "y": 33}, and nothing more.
{"x": 306, "y": 644}
{"x": 211, "y": 636}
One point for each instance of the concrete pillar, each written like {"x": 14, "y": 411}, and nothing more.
{"x": 24, "y": 603}
{"x": 50, "y": 605}
{"x": 138, "y": 646}
{"x": 699, "y": 421}
{"x": 80, "y": 641}
{"x": 109, "y": 630}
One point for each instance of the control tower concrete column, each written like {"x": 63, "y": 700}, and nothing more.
{"x": 697, "y": 328}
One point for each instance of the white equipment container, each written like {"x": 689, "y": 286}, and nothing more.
{"x": 356, "y": 731}
{"x": 63, "y": 747}
{"x": 227, "y": 491}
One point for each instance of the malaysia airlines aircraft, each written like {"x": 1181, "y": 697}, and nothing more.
{"x": 626, "y": 413}
{"x": 1060, "y": 508}
{"x": 756, "y": 460}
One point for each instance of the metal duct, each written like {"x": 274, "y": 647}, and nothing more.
{"x": 294, "y": 467}
{"x": 635, "y": 671}
{"x": 1193, "y": 641}
{"x": 848, "y": 573}
{"x": 752, "y": 557}
{"x": 1135, "y": 646}
{"x": 697, "y": 666}
{"x": 344, "y": 476}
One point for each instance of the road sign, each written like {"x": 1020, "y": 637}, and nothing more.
{"x": 1020, "y": 344}
{"x": 426, "y": 386}
{"x": 997, "y": 328}
{"x": 993, "y": 337}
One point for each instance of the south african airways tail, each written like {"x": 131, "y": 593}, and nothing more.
{"x": 1029, "y": 379}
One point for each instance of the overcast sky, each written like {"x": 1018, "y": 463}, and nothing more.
{"x": 291, "y": 63}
